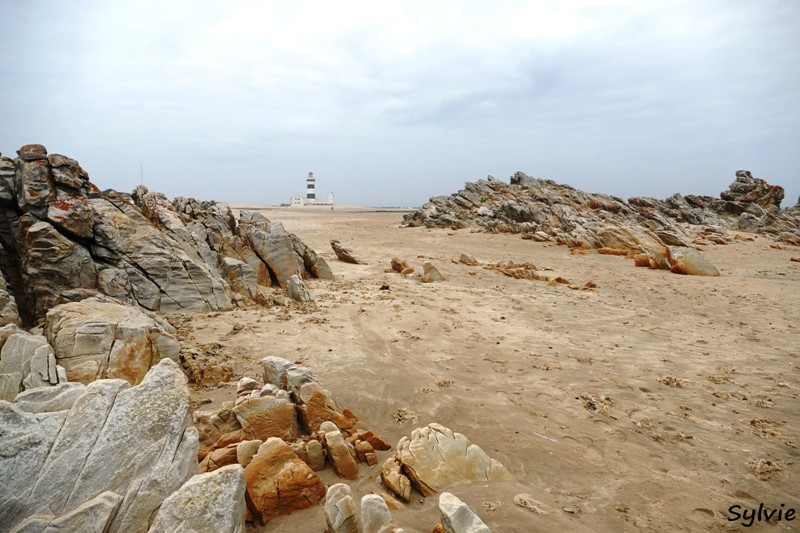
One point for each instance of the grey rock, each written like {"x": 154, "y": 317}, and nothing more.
{"x": 94, "y": 515}
{"x": 457, "y": 517}
{"x": 68, "y": 173}
{"x": 297, "y": 290}
{"x": 10, "y": 385}
{"x": 25, "y": 442}
{"x": 8, "y": 194}
{"x": 161, "y": 274}
{"x": 206, "y": 503}
{"x": 72, "y": 213}
{"x": 9, "y": 313}
{"x": 314, "y": 264}
{"x": 60, "y": 397}
{"x": 32, "y": 152}
{"x": 52, "y": 263}
{"x": 241, "y": 276}
{"x": 272, "y": 244}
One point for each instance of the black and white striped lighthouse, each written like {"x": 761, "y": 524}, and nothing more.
{"x": 310, "y": 193}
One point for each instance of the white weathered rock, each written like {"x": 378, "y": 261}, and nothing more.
{"x": 25, "y": 442}
{"x": 340, "y": 510}
{"x": 18, "y": 350}
{"x": 457, "y": 517}
{"x": 94, "y": 515}
{"x": 375, "y": 515}
{"x": 435, "y": 457}
{"x": 133, "y": 441}
{"x": 26, "y": 362}
{"x": 207, "y": 503}
{"x": 50, "y": 399}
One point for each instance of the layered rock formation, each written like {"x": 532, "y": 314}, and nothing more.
{"x": 545, "y": 210}
{"x": 108, "y": 456}
{"x": 63, "y": 240}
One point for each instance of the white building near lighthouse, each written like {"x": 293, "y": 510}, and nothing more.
{"x": 310, "y": 197}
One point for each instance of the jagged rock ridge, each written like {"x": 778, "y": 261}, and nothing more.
{"x": 63, "y": 240}
{"x": 546, "y": 210}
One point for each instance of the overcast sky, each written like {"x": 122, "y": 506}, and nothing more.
{"x": 390, "y": 103}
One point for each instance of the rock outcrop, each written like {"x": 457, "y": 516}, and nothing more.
{"x": 116, "y": 448}
{"x": 63, "y": 240}
{"x": 545, "y": 210}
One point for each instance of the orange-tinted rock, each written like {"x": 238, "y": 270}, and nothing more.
{"x": 279, "y": 483}
{"x": 394, "y": 480}
{"x": 219, "y": 458}
{"x": 407, "y": 271}
{"x": 212, "y": 425}
{"x": 342, "y": 460}
{"x": 317, "y": 407}
{"x": 605, "y": 250}
{"x": 375, "y": 441}
{"x": 398, "y": 265}
{"x": 265, "y": 417}
{"x": 362, "y": 448}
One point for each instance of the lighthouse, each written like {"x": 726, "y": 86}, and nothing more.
{"x": 310, "y": 193}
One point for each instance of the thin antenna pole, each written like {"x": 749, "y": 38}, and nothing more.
{"x": 141, "y": 173}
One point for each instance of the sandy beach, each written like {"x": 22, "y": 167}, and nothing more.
{"x": 653, "y": 402}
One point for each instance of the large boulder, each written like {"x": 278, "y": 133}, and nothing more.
{"x": 133, "y": 441}
{"x": 684, "y": 260}
{"x": 279, "y": 482}
{"x": 207, "y": 503}
{"x": 100, "y": 338}
{"x": 434, "y": 457}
